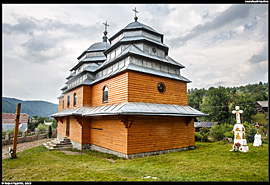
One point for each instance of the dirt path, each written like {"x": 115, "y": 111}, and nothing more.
{"x": 23, "y": 146}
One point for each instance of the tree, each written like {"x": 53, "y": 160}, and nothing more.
{"x": 215, "y": 103}
{"x": 50, "y": 131}
{"x": 195, "y": 99}
{"x": 35, "y": 121}
{"x": 246, "y": 102}
{"x": 218, "y": 131}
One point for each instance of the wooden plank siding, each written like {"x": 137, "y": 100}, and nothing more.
{"x": 149, "y": 134}
{"x": 146, "y": 134}
{"x": 143, "y": 88}
{"x": 113, "y": 135}
{"x": 129, "y": 86}
{"x": 84, "y": 96}
{"x": 117, "y": 90}
{"x": 78, "y": 132}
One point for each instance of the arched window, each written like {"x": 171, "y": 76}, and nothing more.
{"x": 105, "y": 94}
{"x": 68, "y": 101}
{"x": 74, "y": 99}
{"x": 63, "y": 104}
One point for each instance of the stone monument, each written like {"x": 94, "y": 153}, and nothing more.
{"x": 239, "y": 132}
{"x": 257, "y": 137}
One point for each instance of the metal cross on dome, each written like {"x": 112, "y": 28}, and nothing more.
{"x": 106, "y": 25}
{"x": 237, "y": 112}
{"x": 136, "y": 18}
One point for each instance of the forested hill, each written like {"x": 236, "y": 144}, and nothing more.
{"x": 32, "y": 108}
{"x": 219, "y": 102}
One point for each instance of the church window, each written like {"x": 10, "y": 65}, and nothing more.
{"x": 105, "y": 94}
{"x": 68, "y": 101}
{"x": 74, "y": 99}
{"x": 161, "y": 87}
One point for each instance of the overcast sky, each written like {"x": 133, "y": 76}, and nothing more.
{"x": 219, "y": 45}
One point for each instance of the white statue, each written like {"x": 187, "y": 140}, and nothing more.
{"x": 257, "y": 137}
{"x": 240, "y": 142}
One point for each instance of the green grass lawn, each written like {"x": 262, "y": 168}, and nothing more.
{"x": 207, "y": 162}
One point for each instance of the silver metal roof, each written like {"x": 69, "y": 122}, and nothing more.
{"x": 204, "y": 124}
{"x": 136, "y": 25}
{"x": 88, "y": 60}
{"x": 132, "y": 49}
{"x": 99, "y": 46}
{"x": 133, "y": 108}
{"x": 141, "y": 37}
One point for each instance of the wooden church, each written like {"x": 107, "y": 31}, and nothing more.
{"x": 127, "y": 97}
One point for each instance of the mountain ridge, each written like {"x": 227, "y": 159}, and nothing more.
{"x": 30, "y": 107}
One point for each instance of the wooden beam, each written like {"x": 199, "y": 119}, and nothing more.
{"x": 78, "y": 119}
{"x": 188, "y": 120}
{"x": 17, "y": 120}
{"x": 61, "y": 119}
{"x": 127, "y": 121}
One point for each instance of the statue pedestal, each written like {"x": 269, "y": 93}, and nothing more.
{"x": 243, "y": 147}
{"x": 243, "y": 142}
{"x": 257, "y": 140}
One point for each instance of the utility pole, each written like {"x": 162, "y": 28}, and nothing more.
{"x": 15, "y": 137}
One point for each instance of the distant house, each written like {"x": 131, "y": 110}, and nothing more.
{"x": 48, "y": 123}
{"x": 199, "y": 125}
{"x": 8, "y": 121}
{"x": 262, "y": 106}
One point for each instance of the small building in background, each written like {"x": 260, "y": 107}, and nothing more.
{"x": 199, "y": 125}
{"x": 262, "y": 106}
{"x": 8, "y": 121}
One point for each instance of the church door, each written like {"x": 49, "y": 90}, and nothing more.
{"x": 67, "y": 128}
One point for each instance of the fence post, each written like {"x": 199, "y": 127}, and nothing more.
{"x": 7, "y": 137}
{"x": 36, "y": 132}
{"x": 24, "y": 135}
{"x": 47, "y": 133}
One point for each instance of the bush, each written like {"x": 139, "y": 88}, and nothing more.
{"x": 229, "y": 134}
{"x": 197, "y": 136}
{"x": 50, "y": 131}
{"x": 265, "y": 140}
{"x": 205, "y": 137}
{"x": 250, "y": 135}
{"x": 12, "y": 131}
{"x": 42, "y": 127}
{"x": 217, "y": 132}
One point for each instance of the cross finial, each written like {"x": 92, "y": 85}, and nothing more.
{"x": 237, "y": 112}
{"x": 105, "y": 32}
{"x": 135, "y": 18}
{"x": 106, "y": 25}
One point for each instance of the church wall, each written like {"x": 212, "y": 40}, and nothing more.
{"x": 148, "y": 134}
{"x": 61, "y": 127}
{"x": 83, "y": 97}
{"x": 109, "y": 133}
{"x": 117, "y": 90}
{"x": 60, "y": 104}
{"x": 75, "y": 133}
{"x": 143, "y": 88}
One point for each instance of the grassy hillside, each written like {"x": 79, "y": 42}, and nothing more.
{"x": 32, "y": 108}
{"x": 207, "y": 162}
{"x": 260, "y": 118}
